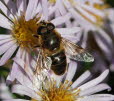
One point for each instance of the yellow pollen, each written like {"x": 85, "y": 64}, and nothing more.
{"x": 33, "y": 100}
{"x": 100, "y": 7}
{"x": 52, "y": 1}
{"x": 87, "y": 3}
{"x": 62, "y": 93}
{"x": 99, "y": 19}
{"x": 23, "y": 32}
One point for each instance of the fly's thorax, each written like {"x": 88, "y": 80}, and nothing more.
{"x": 51, "y": 41}
{"x": 50, "y": 52}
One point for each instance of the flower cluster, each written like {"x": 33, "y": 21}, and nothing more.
{"x": 53, "y": 88}
{"x": 41, "y": 40}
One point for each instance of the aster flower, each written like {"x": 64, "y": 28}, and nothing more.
{"x": 61, "y": 88}
{"x": 21, "y": 19}
{"x": 90, "y": 15}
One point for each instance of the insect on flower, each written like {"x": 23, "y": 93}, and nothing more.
{"x": 22, "y": 21}
{"x": 54, "y": 49}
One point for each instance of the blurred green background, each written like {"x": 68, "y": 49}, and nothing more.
{"x": 111, "y": 75}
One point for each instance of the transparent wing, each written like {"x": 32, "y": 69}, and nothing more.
{"x": 47, "y": 62}
{"x": 43, "y": 62}
{"x": 40, "y": 65}
{"x": 75, "y": 52}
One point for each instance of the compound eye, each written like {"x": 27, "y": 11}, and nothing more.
{"x": 41, "y": 30}
{"x": 50, "y": 26}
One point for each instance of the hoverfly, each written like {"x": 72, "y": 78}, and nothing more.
{"x": 54, "y": 49}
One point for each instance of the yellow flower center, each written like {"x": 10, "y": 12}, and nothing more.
{"x": 99, "y": 19}
{"x": 52, "y": 1}
{"x": 34, "y": 100}
{"x": 55, "y": 93}
{"x": 24, "y": 31}
{"x": 101, "y": 7}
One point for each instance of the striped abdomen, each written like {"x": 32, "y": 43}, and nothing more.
{"x": 59, "y": 63}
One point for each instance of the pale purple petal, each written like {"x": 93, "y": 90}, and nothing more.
{"x": 4, "y": 22}
{"x": 30, "y": 9}
{"x": 85, "y": 37}
{"x": 6, "y": 46}
{"x": 57, "y": 13}
{"x": 71, "y": 70}
{"x": 45, "y": 9}
{"x": 22, "y": 73}
{"x": 91, "y": 17}
{"x": 21, "y": 5}
{"x": 5, "y": 10}
{"x": 84, "y": 23}
{"x": 52, "y": 10}
{"x": 104, "y": 35}
{"x": 60, "y": 20}
{"x": 92, "y": 10}
{"x": 95, "y": 89}
{"x": 67, "y": 4}
{"x": 63, "y": 11}
{"x": 13, "y": 74}
{"x": 8, "y": 54}
{"x": 23, "y": 55}
{"x": 81, "y": 79}
{"x": 23, "y": 90}
{"x": 34, "y": 9}
{"x": 69, "y": 31}
{"x": 28, "y": 68}
{"x": 88, "y": 15}
{"x": 2, "y": 36}
{"x": 25, "y": 66}
{"x": 11, "y": 5}
{"x": 3, "y": 41}
{"x": 95, "y": 81}
{"x": 105, "y": 46}
{"x": 61, "y": 7}
{"x": 15, "y": 68}
{"x": 22, "y": 77}
{"x": 99, "y": 97}
{"x": 38, "y": 9}
{"x": 110, "y": 12}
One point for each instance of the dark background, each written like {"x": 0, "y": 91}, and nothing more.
{"x": 111, "y": 75}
